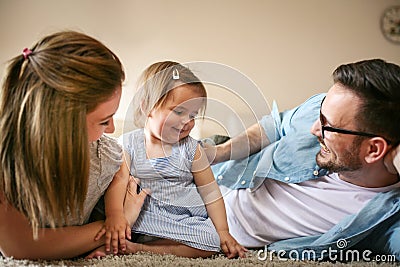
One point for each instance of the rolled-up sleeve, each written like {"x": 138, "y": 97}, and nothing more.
{"x": 271, "y": 124}
{"x": 290, "y": 156}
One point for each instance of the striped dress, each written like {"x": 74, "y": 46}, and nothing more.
{"x": 174, "y": 210}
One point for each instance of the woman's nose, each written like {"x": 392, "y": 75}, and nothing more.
{"x": 110, "y": 127}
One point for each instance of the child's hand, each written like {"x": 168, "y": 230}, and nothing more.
{"x": 115, "y": 228}
{"x": 230, "y": 246}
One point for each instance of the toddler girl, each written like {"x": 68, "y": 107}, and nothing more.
{"x": 185, "y": 214}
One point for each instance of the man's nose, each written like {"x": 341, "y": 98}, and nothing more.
{"x": 316, "y": 128}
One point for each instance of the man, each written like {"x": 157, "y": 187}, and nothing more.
{"x": 348, "y": 193}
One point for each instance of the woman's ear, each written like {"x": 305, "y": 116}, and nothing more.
{"x": 377, "y": 148}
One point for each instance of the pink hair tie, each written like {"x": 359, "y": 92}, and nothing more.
{"x": 26, "y": 52}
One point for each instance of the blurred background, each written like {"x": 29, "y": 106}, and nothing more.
{"x": 250, "y": 52}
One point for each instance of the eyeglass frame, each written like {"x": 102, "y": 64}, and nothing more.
{"x": 341, "y": 130}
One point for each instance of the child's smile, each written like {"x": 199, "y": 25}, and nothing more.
{"x": 175, "y": 119}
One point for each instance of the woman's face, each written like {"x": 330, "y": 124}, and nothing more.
{"x": 100, "y": 120}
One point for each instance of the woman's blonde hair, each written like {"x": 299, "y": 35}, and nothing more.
{"x": 44, "y": 147}
{"x": 155, "y": 84}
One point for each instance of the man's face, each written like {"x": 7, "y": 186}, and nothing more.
{"x": 339, "y": 152}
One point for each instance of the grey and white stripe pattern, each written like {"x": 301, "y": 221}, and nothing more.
{"x": 175, "y": 209}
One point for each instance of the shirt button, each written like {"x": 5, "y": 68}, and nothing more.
{"x": 220, "y": 177}
{"x": 287, "y": 179}
{"x": 243, "y": 182}
{"x": 315, "y": 172}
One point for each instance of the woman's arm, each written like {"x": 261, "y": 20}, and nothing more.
{"x": 16, "y": 238}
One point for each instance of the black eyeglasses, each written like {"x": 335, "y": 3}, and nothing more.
{"x": 340, "y": 130}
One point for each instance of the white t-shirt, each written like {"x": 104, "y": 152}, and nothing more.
{"x": 277, "y": 210}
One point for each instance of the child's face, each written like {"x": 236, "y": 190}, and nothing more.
{"x": 174, "y": 120}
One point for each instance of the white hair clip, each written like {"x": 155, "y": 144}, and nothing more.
{"x": 175, "y": 74}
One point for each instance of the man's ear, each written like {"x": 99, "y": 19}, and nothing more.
{"x": 377, "y": 148}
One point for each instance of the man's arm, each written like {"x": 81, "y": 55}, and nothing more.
{"x": 268, "y": 130}
{"x": 247, "y": 143}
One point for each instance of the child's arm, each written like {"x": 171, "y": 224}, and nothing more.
{"x": 116, "y": 227}
{"x": 212, "y": 197}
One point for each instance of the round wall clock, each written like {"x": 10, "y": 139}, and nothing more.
{"x": 390, "y": 24}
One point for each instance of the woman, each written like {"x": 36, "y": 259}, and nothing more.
{"x": 57, "y": 100}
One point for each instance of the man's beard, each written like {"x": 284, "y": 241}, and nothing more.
{"x": 349, "y": 159}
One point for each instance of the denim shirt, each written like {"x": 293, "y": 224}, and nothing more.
{"x": 290, "y": 158}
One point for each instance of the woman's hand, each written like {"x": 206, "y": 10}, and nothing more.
{"x": 134, "y": 200}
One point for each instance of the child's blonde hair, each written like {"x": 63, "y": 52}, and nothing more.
{"x": 155, "y": 85}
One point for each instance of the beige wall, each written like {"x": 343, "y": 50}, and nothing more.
{"x": 288, "y": 48}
